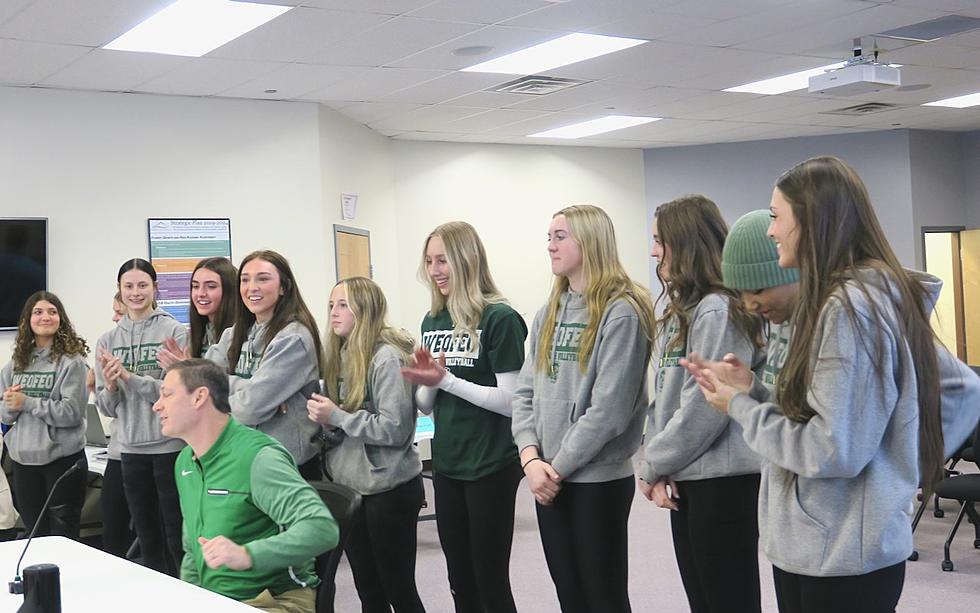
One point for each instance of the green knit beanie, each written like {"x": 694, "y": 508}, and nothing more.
{"x": 749, "y": 260}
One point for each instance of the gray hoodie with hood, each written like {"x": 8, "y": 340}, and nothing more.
{"x": 376, "y": 451}
{"x": 271, "y": 384}
{"x": 586, "y": 425}
{"x": 136, "y": 343}
{"x": 51, "y": 424}
{"x": 687, "y": 439}
{"x": 836, "y": 493}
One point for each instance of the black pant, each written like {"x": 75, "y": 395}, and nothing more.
{"x": 381, "y": 549}
{"x": 875, "y": 592}
{"x": 116, "y": 533}
{"x": 151, "y": 493}
{"x": 475, "y": 520}
{"x": 31, "y": 487}
{"x": 584, "y": 534}
{"x": 716, "y": 541}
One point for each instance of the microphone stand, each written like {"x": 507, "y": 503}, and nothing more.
{"x": 41, "y": 584}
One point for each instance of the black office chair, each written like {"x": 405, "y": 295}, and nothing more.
{"x": 343, "y": 503}
{"x": 966, "y": 490}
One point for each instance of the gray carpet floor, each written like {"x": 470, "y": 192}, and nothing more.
{"x": 654, "y": 581}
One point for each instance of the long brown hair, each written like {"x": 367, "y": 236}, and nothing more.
{"x": 289, "y": 308}
{"x": 66, "y": 341}
{"x": 224, "y": 317}
{"x": 606, "y": 281}
{"x": 367, "y": 303}
{"x": 838, "y": 232}
{"x": 692, "y": 228}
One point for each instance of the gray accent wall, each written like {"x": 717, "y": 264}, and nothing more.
{"x": 915, "y": 178}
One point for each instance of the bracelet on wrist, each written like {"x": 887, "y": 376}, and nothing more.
{"x": 524, "y": 465}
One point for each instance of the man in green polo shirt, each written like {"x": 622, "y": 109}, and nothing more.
{"x": 252, "y": 525}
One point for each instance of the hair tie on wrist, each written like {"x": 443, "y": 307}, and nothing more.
{"x": 524, "y": 465}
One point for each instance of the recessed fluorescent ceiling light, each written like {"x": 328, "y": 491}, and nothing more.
{"x": 595, "y": 126}
{"x": 195, "y": 27}
{"x": 554, "y": 53}
{"x": 959, "y": 102}
{"x": 785, "y": 83}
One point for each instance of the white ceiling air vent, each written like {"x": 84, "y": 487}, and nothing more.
{"x": 537, "y": 85}
{"x": 863, "y": 109}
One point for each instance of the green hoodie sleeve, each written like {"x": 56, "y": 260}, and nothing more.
{"x": 280, "y": 492}
{"x": 288, "y": 364}
{"x": 68, "y": 410}
{"x": 620, "y": 364}
{"x": 393, "y": 423}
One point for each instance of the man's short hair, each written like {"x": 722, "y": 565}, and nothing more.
{"x": 197, "y": 372}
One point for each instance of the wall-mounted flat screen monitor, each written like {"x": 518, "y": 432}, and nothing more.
{"x": 23, "y": 265}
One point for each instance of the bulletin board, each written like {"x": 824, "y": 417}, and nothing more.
{"x": 176, "y": 246}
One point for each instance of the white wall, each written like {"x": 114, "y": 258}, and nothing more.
{"x": 970, "y": 152}
{"x": 509, "y": 193}
{"x": 98, "y": 165}
{"x": 739, "y": 177}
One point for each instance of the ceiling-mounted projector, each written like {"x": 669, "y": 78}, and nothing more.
{"x": 863, "y": 78}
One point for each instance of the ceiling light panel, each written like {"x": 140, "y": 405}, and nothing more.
{"x": 785, "y": 83}
{"x": 554, "y": 53}
{"x": 959, "y": 102}
{"x": 595, "y": 126}
{"x": 195, "y": 27}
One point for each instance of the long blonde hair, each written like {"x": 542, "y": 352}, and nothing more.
{"x": 367, "y": 303}
{"x": 471, "y": 285}
{"x": 606, "y": 281}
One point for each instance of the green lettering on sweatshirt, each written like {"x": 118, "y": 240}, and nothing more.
{"x": 36, "y": 384}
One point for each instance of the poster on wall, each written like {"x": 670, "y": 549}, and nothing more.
{"x": 176, "y": 246}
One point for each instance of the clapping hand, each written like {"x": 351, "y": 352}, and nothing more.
{"x": 171, "y": 353}
{"x": 719, "y": 381}
{"x": 425, "y": 370}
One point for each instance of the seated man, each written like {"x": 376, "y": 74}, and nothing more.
{"x": 252, "y": 525}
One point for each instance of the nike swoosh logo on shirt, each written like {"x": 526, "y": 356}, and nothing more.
{"x": 184, "y": 473}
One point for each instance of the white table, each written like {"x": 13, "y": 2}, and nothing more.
{"x": 92, "y": 580}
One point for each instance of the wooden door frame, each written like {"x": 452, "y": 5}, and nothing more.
{"x": 959, "y": 314}
{"x": 337, "y": 228}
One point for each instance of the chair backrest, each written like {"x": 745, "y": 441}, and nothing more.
{"x": 343, "y": 503}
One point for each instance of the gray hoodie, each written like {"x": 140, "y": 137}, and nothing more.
{"x": 586, "y": 425}
{"x": 271, "y": 376}
{"x": 136, "y": 343}
{"x": 836, "y": 493}
{"x": 51, "y": 424}
{"x": 377, "y": 452}
{"x": 687, "y": 439}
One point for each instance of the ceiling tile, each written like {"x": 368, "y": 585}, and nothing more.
{"x": 385, "y": 7}
{"x": 298, "y": 34}
{"x": 373, "y": 84}
{"x": 113, "y": 70}
{"x": 392, "y": 41}
{"x": 206, "y": 77}
{"x": 425, "y": 119}
{"x": 446, "y": 87}
{"x": 478, "y": 12}
{"x": 9, "y": 8}
{"x": 502, "y": 39}
{"x": 490, "y": 100}
{"x": 291, "y": 81}
{"x": 653, "y": 25}
{"x": 92, "y": 23}
{"x": 370, "y": 112}
{"x": 573, "y": 97}
{"x": 489, "y": 120}
{"x": 582, "y": 16}
{"x": 26, "y": 63}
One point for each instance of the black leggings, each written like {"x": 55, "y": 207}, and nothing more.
{"x": 151, "y": 493}
{"x": 716, "y": 542}
{"x": 32, "y": 484}
{"x": 874, "y": 592}
{"x": 475, "y": 520}
{"x": 117, "y": 536}
{"x": 584, "y": 534}
{"x": 381, "y": 549}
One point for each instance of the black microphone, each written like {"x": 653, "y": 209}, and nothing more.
{"x": 17, "y": 585}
